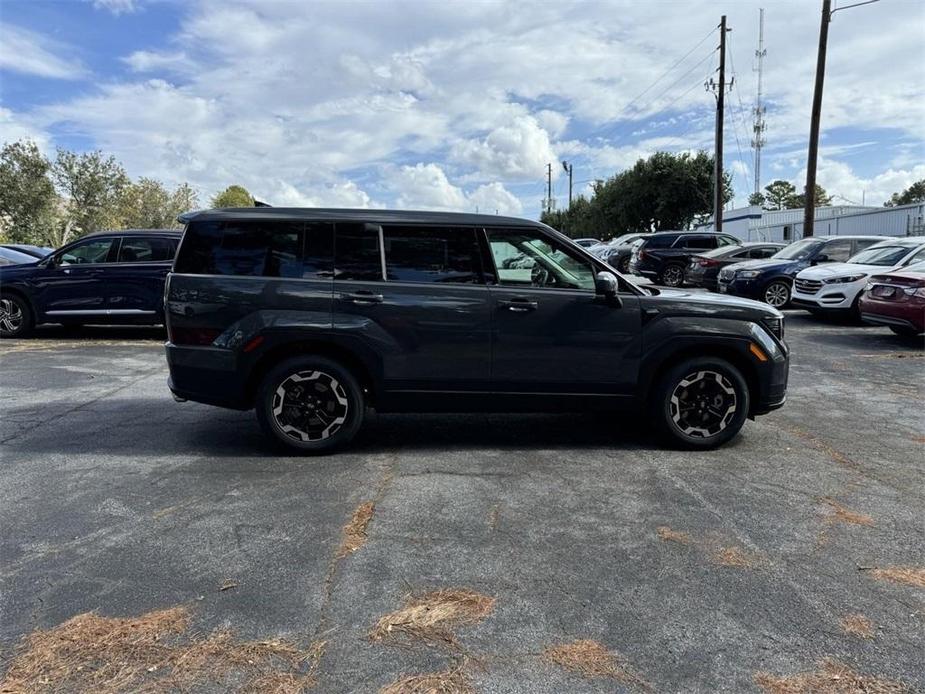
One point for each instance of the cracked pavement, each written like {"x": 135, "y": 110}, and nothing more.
{"x": 119, "y": 500}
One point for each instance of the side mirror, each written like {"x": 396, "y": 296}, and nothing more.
{"x": 821, "y": 258}
{"x": 606, "y": 287}
{"x": 50, "y": 262}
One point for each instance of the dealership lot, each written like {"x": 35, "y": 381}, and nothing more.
{"x": 700, "y": 570}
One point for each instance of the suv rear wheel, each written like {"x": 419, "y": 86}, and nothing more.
{"x": 15, "y": 316}
{"x": 310, "y": 405}
{"x": 701, "y": 403}
{"x": 672, "y": 275}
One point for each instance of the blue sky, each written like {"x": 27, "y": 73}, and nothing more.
{"x": 438, "y": 105}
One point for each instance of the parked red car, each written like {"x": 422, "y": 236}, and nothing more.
{"x": 896, "y": 300}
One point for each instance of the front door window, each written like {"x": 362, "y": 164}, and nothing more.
{"x": 87, "y": 252}
{"x": 528, "y": 258}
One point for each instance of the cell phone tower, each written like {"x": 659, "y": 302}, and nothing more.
{"x": 759, "y": 125}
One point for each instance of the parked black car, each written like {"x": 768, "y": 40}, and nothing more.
{"x": 311, "y": 316}
{"x": 704, "y": 267}
{"x": 771, "y": 280}
{"x": 28, "y": 249}
{"x": 617, "y": 252}
{"x": 664, "y": 256}
{"x": 106, "y": 277}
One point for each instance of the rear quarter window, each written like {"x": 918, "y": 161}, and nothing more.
{"x": 658, "y": 242}
{"x": 256, "y": 249}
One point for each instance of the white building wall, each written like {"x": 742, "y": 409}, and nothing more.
{"x": 755, "y": 224}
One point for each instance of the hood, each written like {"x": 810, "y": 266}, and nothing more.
{"x": 765, "y": 264}
{"x": 8, "y": 272}
{"x": 827, "y": 270}
{"x": 705, "y": 303}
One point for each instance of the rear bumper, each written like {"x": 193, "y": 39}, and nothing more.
{"x": 208, "y": 375}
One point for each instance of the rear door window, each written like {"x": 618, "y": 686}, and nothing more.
{"x": 357, "y": 253}
{"x": 658, "y": 242}
{"x": 696, "y": 243}
{"x": 431, "y": 254}
{"x": 146, "y": 250}
{"x": 838, "y": 251}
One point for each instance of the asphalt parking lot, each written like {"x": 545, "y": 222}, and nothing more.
{"x": 801, "y": 541}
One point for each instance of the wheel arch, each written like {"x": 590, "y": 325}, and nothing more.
{"x": 734, "y": 352}
{"x": 273, "y": 355}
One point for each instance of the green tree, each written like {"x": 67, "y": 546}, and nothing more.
{"x": 147, "y": 204}
{"x": 912, "y": 194}
{"x": 777, "y": 194}
{"x": 27, "y": 195}
{"x": 820, "y": 199}
{"x": 92, "y": 187}
{"x": 233, "y": 196}
{"x": 756, "y": 199}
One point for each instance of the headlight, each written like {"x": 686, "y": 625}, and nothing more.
{"x": 748, "y": 274}
{"x": 844, "y": 280}
{"x": 868, "y": 286}
{"x": 915, "y": 291}
{"x": 775, "y": 326}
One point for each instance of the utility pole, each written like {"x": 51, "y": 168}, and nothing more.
{"x": 720, "y": 103}
{"x": 548, "y": 188}
{"x": 809, "y": 193}
{"x": 568, "y": 169}
{"x": 759, "y": 126}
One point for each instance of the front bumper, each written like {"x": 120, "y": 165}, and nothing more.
{"x": 895, "y": 314}
{"x": 747, "y": 288}
{"x": 836, "y": 297}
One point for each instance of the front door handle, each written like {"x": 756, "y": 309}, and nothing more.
{"x": 364, "y": 297}
{"x": 518, "y": 305}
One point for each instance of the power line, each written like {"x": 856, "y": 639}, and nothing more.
{"x": 735, "y": 121}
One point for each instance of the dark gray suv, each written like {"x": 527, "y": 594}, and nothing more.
{"x": 312, "y": 316}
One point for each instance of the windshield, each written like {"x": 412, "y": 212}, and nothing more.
{"x": 624, "y": 239}
{"x": 10, "y": 257}
{"x": 799, "y": 250}
{"x": 880, "y": 255}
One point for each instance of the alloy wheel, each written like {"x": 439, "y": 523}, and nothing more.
{"x": 11, "y": 316}
{"x": 703, "y": 404}
{"x": 777, "y": 294}
{"x": 310, "y": 406}
{"x": 672, "y": 276}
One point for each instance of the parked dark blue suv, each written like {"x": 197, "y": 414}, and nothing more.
{"x": 312, "y": 316}
{"x": 106, "y": 277}
{"x": 771, "y": 280}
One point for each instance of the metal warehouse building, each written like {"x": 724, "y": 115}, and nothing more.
{"x": 755, "y": 224}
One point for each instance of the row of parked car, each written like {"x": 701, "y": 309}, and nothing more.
{"x": 880, "y": 280}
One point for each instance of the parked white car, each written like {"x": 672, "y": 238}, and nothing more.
{"x": 838, "y": 286}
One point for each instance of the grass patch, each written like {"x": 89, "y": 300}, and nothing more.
{"x": 591, "y": 659}
{"x": 433, "y": 616}
{"x": 451, "y": 681}
{"x": 858, "y": 625}
{"x": 152, "y": 653}
{"x": 908, "y": 575}
{"x": 668, "y": 535}
{"x": 354, "y": 534}
{"x": 843, "y": 515}
{"x": 832, "y": 677}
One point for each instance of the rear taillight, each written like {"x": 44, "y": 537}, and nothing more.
{"x": 193, "y": 336}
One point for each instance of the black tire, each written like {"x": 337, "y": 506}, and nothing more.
{"x": 623, "y": 265}
{"x": 16, "y": 319}
{"x": 720, "y": 379}
{"x": 776, "y": 294}
{"x": 672, "y": 275}
{"x": 335, "y": 392}
{"x": 903, "y": 331}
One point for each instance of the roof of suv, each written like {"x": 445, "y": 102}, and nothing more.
{"x": 130, "y": 232}
{"x": 364, "y": 215}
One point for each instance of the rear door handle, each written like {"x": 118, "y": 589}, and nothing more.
{"x": 364, "y": 297}
{"x": 518, "y": 304}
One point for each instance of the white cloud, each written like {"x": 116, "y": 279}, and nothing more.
{"x": 517, "y": 151}
{"x": 495, "y": 198}
{"x": 426, "y": 186}
{"x": 150, "y": 61}
{"x": 13, "y": 127}
{"x": 339, "y": 194}
{"x": 838, "y": 178}
{"x": 117, "y": 7}
{"x": 30, "y": 53}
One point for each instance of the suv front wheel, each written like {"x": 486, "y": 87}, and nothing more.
{"x": 701, "y": 403}
{"x": 310, "y": 405}
{"x": 672, "y": 275}
{"x": 777, "y": 294}
{"x": 15, "y": 316}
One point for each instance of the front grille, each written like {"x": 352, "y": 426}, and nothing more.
{"x": 726, "y": 275}
{"x": 807, "y": 286}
